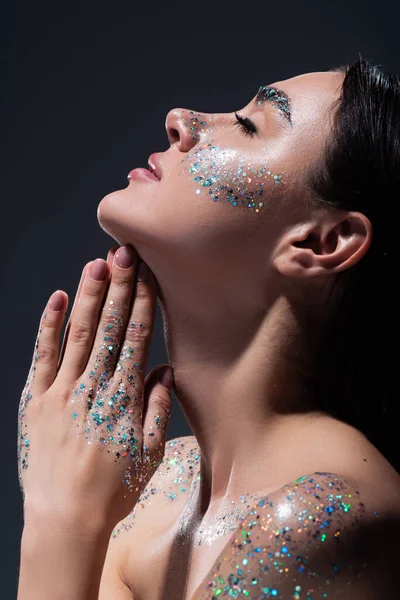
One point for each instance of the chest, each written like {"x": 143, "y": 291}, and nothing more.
{"x": 172, "y": 556}
{"x": 175, "y": 565}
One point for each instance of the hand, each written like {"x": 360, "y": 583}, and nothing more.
{"x": 91, "y": 429}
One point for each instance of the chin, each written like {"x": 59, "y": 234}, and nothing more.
{"x": 111, "y": 218}
{"x": 127, "y": 221}
{"x": 105, "y": 218}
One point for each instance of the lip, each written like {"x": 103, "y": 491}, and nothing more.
{"x": 154, "y": 165}
{"x": 140, "y": 173}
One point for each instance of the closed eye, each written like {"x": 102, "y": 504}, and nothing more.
{"x": 246, "y": 125}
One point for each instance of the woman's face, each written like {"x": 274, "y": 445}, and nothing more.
{"x": 228, "y": 184}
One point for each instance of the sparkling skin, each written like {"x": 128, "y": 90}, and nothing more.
{"x": 296, "y": 542}
{"x": 107, "y": 420}
{"x": 268, "y": 93}
{"x": 113, "y": 429}
{"x": 246, "y": 184}
{"x": 217, "y": 590}
{"x": 178, "y": 461}
{"x": 227, "y": 178}
{"x": 198, "y": 124}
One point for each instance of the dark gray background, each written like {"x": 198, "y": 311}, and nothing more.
{"x": 85, "y": 91}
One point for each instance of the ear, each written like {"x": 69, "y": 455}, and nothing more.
{"x": 333, "y": 241}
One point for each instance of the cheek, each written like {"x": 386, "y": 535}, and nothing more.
{"x": 193, "y": 215}
{"x": 226, "y": 176}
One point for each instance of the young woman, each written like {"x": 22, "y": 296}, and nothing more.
{"x": 267, "y": 232}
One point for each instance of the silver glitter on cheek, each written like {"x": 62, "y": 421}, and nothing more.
{"x": 219, "y": 173}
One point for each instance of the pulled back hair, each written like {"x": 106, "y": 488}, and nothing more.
{"x": 359, "y": 170}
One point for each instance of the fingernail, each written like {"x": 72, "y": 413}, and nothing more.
{"x": 124, "y": 257}
{"x": 111, "y": 254}
{"x": 56, "y": 301}
{"x": 167, "y": 378}
{"x": 143, "y": 272}
{"x": 98, "y": 270}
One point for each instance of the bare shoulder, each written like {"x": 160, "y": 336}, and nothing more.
{"x": 340, "y": 448}
{"x": 318, "y": 536}
{"x": 332, "y": 446}
{"x": 168, "y": 487}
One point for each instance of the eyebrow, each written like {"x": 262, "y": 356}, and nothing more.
{"x": 280, "y": 100}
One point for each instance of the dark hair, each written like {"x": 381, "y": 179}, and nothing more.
{"x": 359, "y": 170}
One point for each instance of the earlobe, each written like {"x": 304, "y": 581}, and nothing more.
{"x": 332, "y": 243}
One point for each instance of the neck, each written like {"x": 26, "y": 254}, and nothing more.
{"x": 240, "y": 371}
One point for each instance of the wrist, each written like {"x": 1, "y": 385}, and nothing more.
{"x": 61, "y": 557}
{"x": 64, "y": 522}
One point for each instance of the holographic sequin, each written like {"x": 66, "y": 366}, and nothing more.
{"x": 288, "y": 544}
{"x": 108, "y": 404}
{"x": 245, "y": 185}
{"x": 276, "y": 541}
{"x": 23, "y": 445}
{"x": 178, "y": 472}
{"x": 268, "y": 93}
{"x": 105, "y": 408}
{"x": 197, "y": 124}
{"x": 216, "y": 526}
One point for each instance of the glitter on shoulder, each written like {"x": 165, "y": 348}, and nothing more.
{"x": 179, "y": 468}
{"x": 301, "y": 542}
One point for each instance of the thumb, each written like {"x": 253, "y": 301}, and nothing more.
{"x": 158, "y": 399}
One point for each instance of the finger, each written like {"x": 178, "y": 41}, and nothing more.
{"x": 114, "y": 316}
{"x": 28, "y": 384}
{"x": 110, "y": 257}
{"x": 48, "y": 342}
{"x": 84, "y": 322}
{"x": 158, "y": 401}
{"x": 135, "y": 349}
{"x": 68, "y": 325}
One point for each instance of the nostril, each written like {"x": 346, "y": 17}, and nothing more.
{"x": 174, "y": 134}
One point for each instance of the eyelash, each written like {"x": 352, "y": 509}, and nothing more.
{"x": 246, "y": 125}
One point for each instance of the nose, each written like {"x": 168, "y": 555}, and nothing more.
{"x": 183, "y": 129}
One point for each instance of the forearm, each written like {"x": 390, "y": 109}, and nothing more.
{"x": 61, "y": 562}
